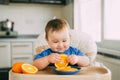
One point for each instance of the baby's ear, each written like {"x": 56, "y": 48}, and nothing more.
{"x": 46, "y": 39}
{"x": 70, "y": 35}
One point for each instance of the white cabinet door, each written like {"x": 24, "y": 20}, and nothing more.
{"x": 22, "y": 48}
{"x": 22, "y": 58}
{"x": 22, "y": 51}
{"x": 5, "y": 55}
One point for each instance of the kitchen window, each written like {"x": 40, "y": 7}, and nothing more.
{"x": 110, "y": 27}
{"x": 87, "y": 17}
{"x": 111, "y": 19}
{"x": 101, "y": 20}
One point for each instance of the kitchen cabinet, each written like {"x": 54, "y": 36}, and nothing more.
{"x": 59, "y": 2}
{"x": 4, "y": 73}
{"x": 22, "y": 51}
{"x": 4, "y": 1}
{"x": 14, "y": 51}
{"x": 5, "y": 60}
{"x": 5, "y": 55}
{"x": 112, "y": 64}
{"x": 20, "y": 1}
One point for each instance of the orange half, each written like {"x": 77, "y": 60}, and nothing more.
{"x": 29, "y": 69}
{"x": 63, "y": 62}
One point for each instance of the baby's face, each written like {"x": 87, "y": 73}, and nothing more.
{"x": 59, "y": 41}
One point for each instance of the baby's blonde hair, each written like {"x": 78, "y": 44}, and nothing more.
{"x": 56, "y": 25}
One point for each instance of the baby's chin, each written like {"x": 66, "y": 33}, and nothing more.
{"x": 60, "y": 51}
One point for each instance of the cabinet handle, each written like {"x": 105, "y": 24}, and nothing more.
{"x": 21, "y": 57}
{"x": 3, "y": 46}
{"x": 20, "y": 45}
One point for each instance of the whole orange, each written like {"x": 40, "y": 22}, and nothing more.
{"x": 17, "y": 67}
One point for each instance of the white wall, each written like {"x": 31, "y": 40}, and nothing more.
{"x": 30, "y": 18}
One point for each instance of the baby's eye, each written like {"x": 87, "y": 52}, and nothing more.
{"x": 55, "y": 42}
{"x": 64, "y": 40}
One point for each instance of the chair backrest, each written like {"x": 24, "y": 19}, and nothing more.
{"x": 79, "y": 40}
{"x": 85, "y": 43}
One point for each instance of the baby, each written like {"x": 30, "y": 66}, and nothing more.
{"x": 58, "y": 38}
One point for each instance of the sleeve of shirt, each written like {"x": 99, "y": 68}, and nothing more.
{"x": 78, "y": 52}
{"x": 43, "y": 53}
{"x": 40, "y": 55}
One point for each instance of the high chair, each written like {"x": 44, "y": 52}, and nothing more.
{"x": 79, "y": 40}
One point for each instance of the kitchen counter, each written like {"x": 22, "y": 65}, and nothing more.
{"x": 27, "y": 36}
{"x": 20, "y": 37}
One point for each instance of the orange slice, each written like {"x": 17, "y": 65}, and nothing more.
{"x": 17, "y": 67}
{"x": 63, "y": 62}
{"x": 68, "y": 68}
{"x": 29, "y": 69}
{"x": 60, "y": 68}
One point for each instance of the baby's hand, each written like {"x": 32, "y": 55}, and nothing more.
{"x": 73, "y": 59}
{"x": 52, "y": 58}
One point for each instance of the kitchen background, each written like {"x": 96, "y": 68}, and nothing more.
{"x": 30, "y": 20}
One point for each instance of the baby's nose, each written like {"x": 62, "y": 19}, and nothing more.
{"x": 60, "y": 44}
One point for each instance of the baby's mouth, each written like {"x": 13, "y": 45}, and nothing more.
{"x": 58, "y": 51}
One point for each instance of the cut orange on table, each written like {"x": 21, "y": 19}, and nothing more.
{"x": 17, "y": 67}
{"x": 63, "y": 62}
{"x": 29, "y": 69}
